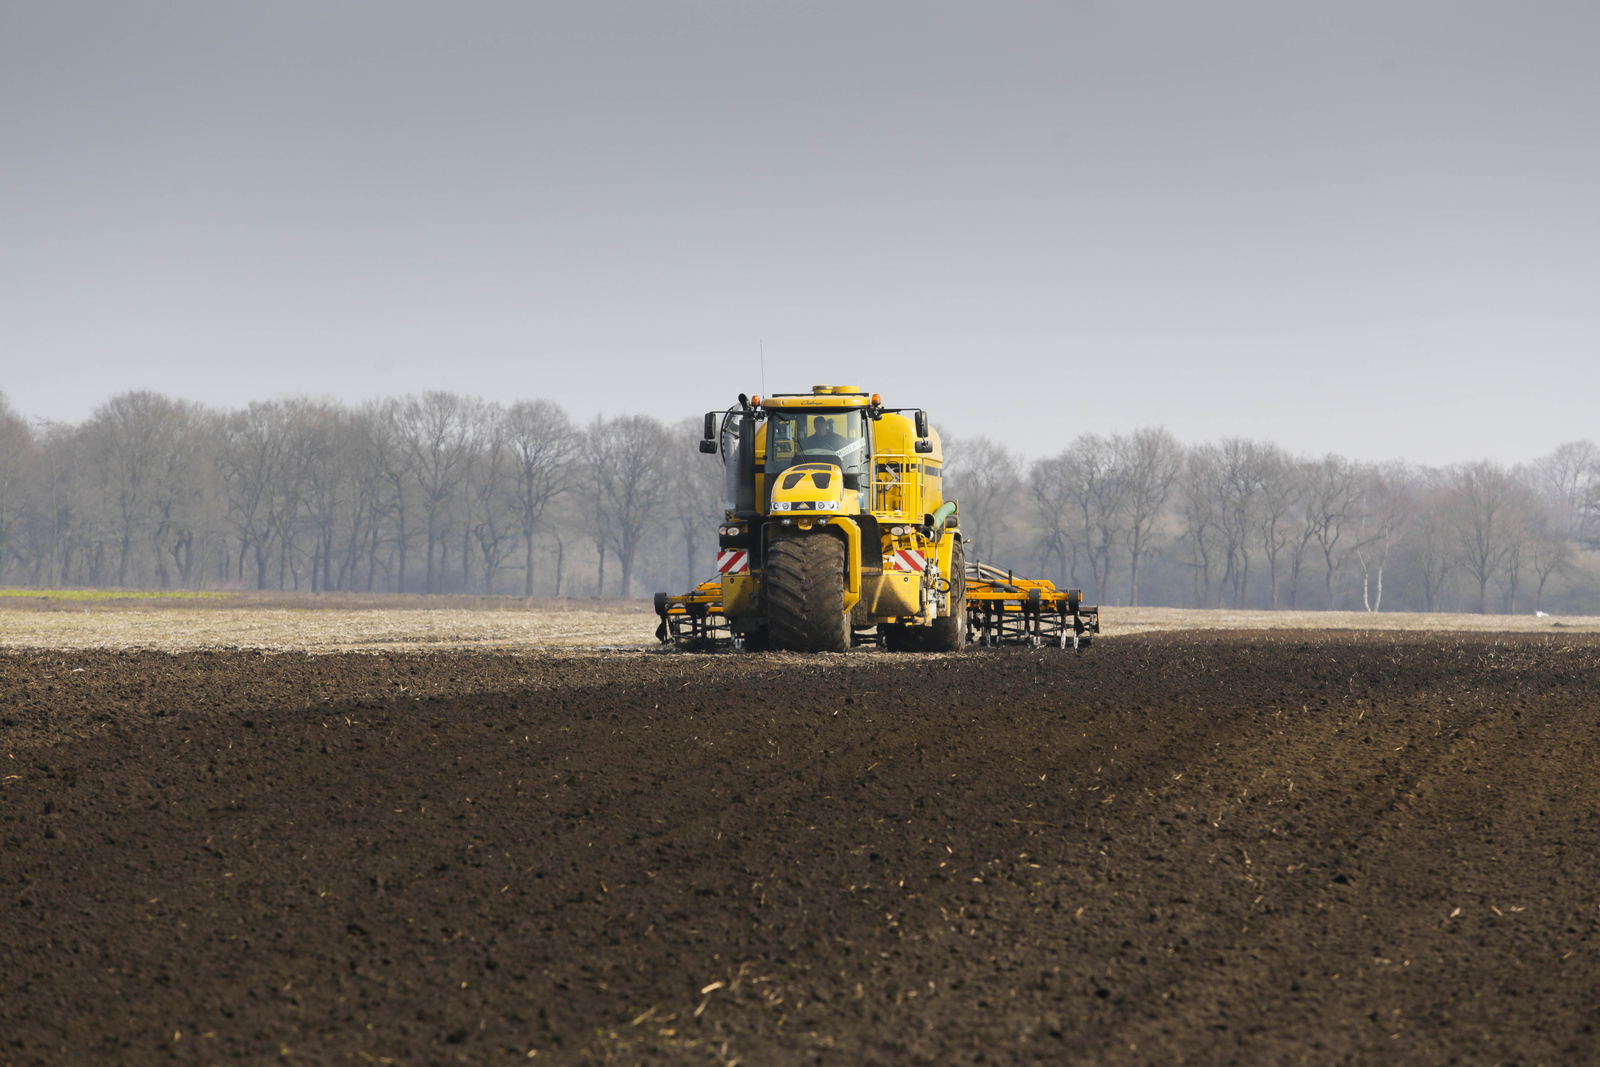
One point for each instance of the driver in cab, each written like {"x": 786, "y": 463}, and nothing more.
{"x": 823, "y": 437}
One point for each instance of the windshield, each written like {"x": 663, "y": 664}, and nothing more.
{"x": 837, "y": 437}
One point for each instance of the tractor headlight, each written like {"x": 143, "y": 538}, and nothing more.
{"x": 827, "y": 505}
{"x": 898, "y": 531}
{"x": 780, "y": 505}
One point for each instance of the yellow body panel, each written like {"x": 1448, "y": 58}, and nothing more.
{"x": 894, "y": 595}
{"x": 852, "y": 566}
{"x": 906, "y": 484}
{"x": 800, "y": 403}
{"x": 799, "y": 485}
{"x": 738, "y": 590}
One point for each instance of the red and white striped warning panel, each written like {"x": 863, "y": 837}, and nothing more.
{"x": 907, "y": 559}
{"x": 733, "y": 561}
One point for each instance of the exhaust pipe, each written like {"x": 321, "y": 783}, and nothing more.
{"x": 744, "y": 506}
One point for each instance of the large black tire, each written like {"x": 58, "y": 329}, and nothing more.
{"x": 949, "y": 632}
{"x": 805, "y": 593}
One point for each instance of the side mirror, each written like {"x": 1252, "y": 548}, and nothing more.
{"x": 708, "y": 447}
{"x": 922, "y": 424}
{"x": 711, "y": 427}
{"x": 924, "y": 446}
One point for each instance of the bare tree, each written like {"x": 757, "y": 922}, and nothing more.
{"x": 492, "y": 519}
{"x": 1083, "y": 491}
{"x": 1522, "y": 532}
{"x": 122, "y": 432}
{"x": 1241, "y": 467}
{"x": 437, "y": 433}
{"x": 1051, "y": 482}
{"x": 986, "y": 477}
{"x": 544, "y": 447}
{"x": 1330, "y": 506}
{"x": 1482, "y": 504}
{"x": 258, "y": 467}
{"x": 1150, "y": 461}
{"x": 1431, "y": 542}
{"x": 698, "y": 490}
{"x": 1277, "y": 502}
{"x": 16, "y": 442}
{"x": 1202, "y": 523}
{"x": 63, "y": 524}
{"x": 1302, "y": 524}
{"x": 630, "y": 461}
{"x": 182, "y": 489}
{"x": 145, "y": 448}
{"x": 306, "y": 443}
{"x": 1567, "y": 515}
{"x": 1569, "y": 480}
{"x": 1381, "y": 525}
{"x": 387, "y": 458}
{"x": 330, "y": 445}
{"x": 1551, "y": 552}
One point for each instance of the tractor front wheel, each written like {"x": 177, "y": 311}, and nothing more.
{"x": 805, "y": 582}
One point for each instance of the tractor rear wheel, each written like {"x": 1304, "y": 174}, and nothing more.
{"x": 805, "y": 593}
{"x": 949, "y": 632}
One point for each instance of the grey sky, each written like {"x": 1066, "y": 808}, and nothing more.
{"x": 1372, "y": 228}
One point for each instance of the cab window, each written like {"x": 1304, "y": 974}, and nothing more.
{"x": 836, "y": 437}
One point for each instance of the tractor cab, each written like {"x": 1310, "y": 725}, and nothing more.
{"x": 836, "y": 438}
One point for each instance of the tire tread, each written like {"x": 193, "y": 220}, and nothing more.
{"x": 805, "y": 594}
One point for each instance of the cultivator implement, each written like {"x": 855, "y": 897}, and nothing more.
{"x": 1002, "y": 609}
{"x": 694, "y": 622}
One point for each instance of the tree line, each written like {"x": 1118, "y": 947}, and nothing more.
{"x": 443, "y": 493}
{"x": 1142, "y": 519}
{"x": 437, "y": 493}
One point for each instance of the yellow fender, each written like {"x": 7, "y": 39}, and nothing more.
{"x": 852, "y": 567}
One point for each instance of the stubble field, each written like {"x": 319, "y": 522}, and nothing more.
{"x": 1282, "y": 846}
{"x": 284, "y": 622}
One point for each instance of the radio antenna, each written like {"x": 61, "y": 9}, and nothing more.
{"x": 763, "y": 346}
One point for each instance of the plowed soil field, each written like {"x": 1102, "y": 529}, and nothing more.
{"x": 1254, "y": 848}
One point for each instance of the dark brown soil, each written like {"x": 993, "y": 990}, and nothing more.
{"x": 1253, "y": 848}
{"x": 255, "y": 601}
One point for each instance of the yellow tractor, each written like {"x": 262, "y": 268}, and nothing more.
{"x": 840, "y": 534}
